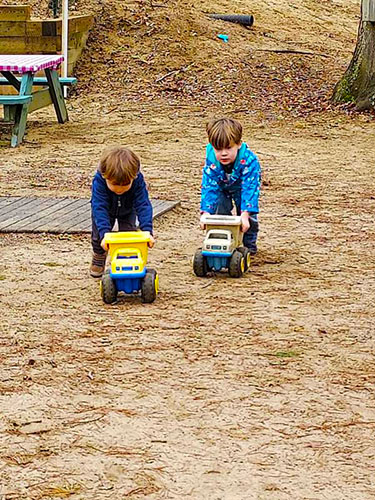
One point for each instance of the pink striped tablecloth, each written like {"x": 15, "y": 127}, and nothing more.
{"x": 23, "y": 63}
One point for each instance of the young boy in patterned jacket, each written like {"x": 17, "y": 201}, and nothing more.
{"x": 231, "y": 177}
{"x": 118, "y": 192}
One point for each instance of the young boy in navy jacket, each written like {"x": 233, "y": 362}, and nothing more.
{"x": 231, "y": 178}
{"x": 118, "y": 192}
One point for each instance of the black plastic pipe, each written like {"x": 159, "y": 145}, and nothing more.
{"x": 245, "y": 20}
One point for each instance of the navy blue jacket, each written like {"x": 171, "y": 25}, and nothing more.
{"x": 106, "y": 206}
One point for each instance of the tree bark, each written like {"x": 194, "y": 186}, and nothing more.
{"x": 358, "y": 83}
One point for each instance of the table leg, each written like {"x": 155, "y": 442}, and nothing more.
{"x": 12, "y": 79}
{"x": 56, "y": 95}
{"x": 9, "y": 113}
{"x": 22, "y": 110}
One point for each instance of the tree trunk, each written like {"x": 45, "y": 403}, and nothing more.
{"x": 358, "y": 83}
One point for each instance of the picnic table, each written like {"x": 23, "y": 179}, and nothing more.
{"x": 20, "y": 71}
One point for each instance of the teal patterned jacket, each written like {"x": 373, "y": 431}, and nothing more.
{"x": 245, "y": 174}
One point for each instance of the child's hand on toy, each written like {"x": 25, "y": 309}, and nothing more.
{"x": 103, "y": 244}
{"x": 202, "y": 225}
{"x": 245, "y": 223}
{"x": 151, "y": 243}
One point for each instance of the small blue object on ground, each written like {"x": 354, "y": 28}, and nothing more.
{"x": 225, "y": 38}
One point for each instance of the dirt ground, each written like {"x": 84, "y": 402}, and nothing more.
{"x": 256, "y": 388}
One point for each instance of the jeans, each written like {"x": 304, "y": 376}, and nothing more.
{"x": 128, "y": 224}
{"x": 229, "y": 196}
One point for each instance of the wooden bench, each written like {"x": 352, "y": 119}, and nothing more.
{"x": 10, "y": 100}
{"x": 40, "y": 81}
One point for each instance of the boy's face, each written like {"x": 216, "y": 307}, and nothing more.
{"x": 227, "y": 155}
{"x": 118, "y": 189}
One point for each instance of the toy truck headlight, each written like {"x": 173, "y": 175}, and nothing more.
{"x": 208, "y": 247}
{"x": 225, "y": 247}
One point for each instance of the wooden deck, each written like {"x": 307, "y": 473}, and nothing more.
{"x": 54, "y": 215}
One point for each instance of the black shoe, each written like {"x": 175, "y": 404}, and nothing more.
{"x": 253, "y": 250}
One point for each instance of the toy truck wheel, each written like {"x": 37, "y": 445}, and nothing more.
{"x": 236, "y": 265}
{"x": 108, "y": 289}
{"x": 200, "y": 264}
{"x": 150, "y": 286}
{"x": 246, "y": 255}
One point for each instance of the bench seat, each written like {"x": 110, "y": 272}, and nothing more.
{"x": 40, "y": 81}
{"x": 9, "y": 100}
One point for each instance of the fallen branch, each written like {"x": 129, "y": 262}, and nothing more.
{"x": 174, "y": 72}
{"x": 292, "y": 51}
{"x": 82, "y": 422}
{"x": 331, "y": 425}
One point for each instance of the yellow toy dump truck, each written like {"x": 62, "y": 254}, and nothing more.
{"x": 128, "y": 272}
{"x": 222, "y": 247}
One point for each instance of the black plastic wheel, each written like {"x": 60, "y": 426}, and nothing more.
{"x": 108, "y": 289}
{"x": 246, "y": 255}
{"x": 200, "y": 264}
{"x": 236, "y": 265}
{"x": 150, "y": 286}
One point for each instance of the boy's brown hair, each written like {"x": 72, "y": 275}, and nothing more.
{"x": 224, "y": 132}
{"x": 119, "y": 165}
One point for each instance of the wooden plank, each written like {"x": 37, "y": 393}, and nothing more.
{"x": 20, "y": 117}
{"x": 41, "y": 217}
{"x": 368, "y": 10}
{"x": 83, "y": 222}
{"x": 9, "y": 114}
{"x": 16, "y": 206}
{"x": 4, "y": 208}
{"x": 61, "y": 207}
{"x": 33, "y": 213}
{"x": 28, "y": 210}
{"x": 77, "y": 223}
{"x": 77, "y": 24}
{"x": 39, "y": 80}
{"x": 28, "y": 45}
{"x": 81, "y": 218}
{"x": 27, "y": 206}
{"x": 56, "y": 95}
{"x": 85, "y": 228}
{"x": 12, "y": 28}
{"x": 47, "y": 214}
{"x": 14, "y": 13}
{"x": 57, "y": 222}
{"x": 34, "y": 27}
{"x": 10, "y": 79}
{"x": 80, "y": 226}
{"x": 155, "y": 203}
{"x": 9, "y": 100}
{"x": 13, "y": 45}
{"x": 8, "y": 200}
{"x": 41, "y": 98}
{"x": 55, "y": 215}
{"x": 165, "y": 207}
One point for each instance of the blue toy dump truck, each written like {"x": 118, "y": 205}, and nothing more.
{"x": 222, "y": 247}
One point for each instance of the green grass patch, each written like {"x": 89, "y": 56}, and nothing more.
{"x": 286, "y": 354}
